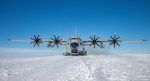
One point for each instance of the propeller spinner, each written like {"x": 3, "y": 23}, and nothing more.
{"x": 94, "y": 40}
{"x": 36, "y": 40}
{"x": 114, "y": 40}
{"x": 56, "y": 40}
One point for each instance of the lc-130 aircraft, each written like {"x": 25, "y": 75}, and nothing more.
{"x": 75, "y": 45}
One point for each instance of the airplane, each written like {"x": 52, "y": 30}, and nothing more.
{"x": 75, "y": 45}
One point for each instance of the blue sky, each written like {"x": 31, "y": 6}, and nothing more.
{"x": 19, "y": 19}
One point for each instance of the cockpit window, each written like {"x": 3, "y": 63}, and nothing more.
{"x": 74, "y": 45}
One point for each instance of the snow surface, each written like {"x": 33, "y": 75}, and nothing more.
{"x": 125, "y": 67}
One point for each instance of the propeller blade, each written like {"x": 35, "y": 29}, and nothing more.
{"x": 114, "y": 40}
{"x": 34, "y": 36}
{"x": 38, "y": 44}
{"x": 111, "y": 43}
{"x": 58, "y": 37}
{"x": 31, "y": 38}
{"x": 111, "y": 37}
{"x": 94, "y": 40}
{"x": 55, "y": 37}
{"x": 34, "y": 44}
{"x": 38, "y": 36}
{"x": 97, "y": 38}
{"x": 36, "y": 40}
{"x": 56, "y": 40}
{"x": 97, "y": 44}
{"x": 114, "y": 35}
{"x": 91, "y": 38}
{"x": 57, "y": 46}
{"x": 94, "y": 36}
{"x": 118, "y": 37}
{"x": 94, "y": 45}
{"x": 114, "y": 45}
{"x": 51, "y": 38}
{"x": 117, "y": 44}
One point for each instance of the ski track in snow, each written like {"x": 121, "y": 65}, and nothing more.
{"x": 125, "y": 67}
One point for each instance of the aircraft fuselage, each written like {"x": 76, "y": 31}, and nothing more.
{"x": 75, "y": 46}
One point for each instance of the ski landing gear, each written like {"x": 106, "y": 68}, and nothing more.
{"x": 75, "y": 54}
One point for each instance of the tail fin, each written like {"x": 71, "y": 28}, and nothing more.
{"x": 76, "y": 32}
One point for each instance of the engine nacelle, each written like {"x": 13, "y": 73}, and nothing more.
{"x": 102, "y": 46}
{"x": 49, "y": 46}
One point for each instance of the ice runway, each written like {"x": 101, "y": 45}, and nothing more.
{"x": 133, "y": 67}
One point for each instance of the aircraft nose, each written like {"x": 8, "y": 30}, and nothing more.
{"x": 74, "y": 45}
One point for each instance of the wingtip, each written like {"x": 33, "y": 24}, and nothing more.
{"x": 9, "y": 40}
{"x": 144, "y": 40}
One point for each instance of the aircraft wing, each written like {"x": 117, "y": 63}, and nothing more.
{"x": 114, "y": 40}
{"x": 39, "y": 41}
{"x": 132, "y": 40}
{"x": 36, "y": 39}
{"x": 100, "y": 44}
{"x": 50, "y": 41}
{"x": 102, "y": 41}
{"x": 10, "y": 40}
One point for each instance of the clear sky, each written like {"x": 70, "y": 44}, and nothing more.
{"x": 19, "y": 19}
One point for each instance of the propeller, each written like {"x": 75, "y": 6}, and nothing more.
{"x": 114, "y": 40}
{"x": 36, "y": 40}
{"x": 56, "y": 40}
{"x": 94, "y": 40}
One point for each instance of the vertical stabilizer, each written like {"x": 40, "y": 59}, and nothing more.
{"x": 76, "y": 32}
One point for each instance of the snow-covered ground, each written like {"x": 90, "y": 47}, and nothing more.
{"x": 133, "y": 67}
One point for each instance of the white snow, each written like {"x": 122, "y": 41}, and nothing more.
{"x": 127, "y": 67}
